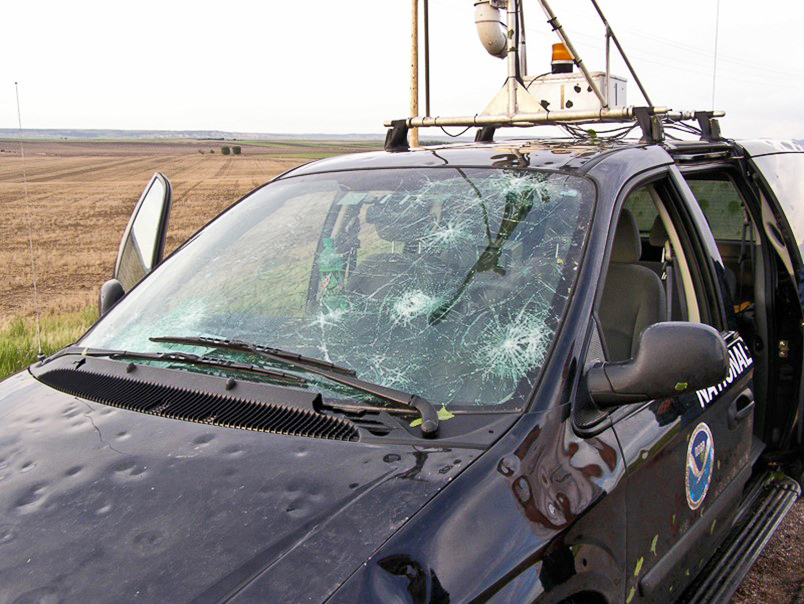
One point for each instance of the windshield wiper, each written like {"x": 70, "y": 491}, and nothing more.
{"x": 341, "y": 375}
{"x": 189, "y": 359}
{"x": 239, "y": 345}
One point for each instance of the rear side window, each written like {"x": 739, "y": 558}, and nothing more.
{"x": 643, "y": 209}
{"x": 722, "y": 206}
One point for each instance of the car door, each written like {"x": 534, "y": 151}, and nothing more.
{"x": 776, "y": 169}
{"x": 687, "y": 456}
{"x": 143, "y": 242}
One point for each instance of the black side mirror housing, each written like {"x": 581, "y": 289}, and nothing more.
{"x": 110, "y": 294}
{"x": 672, "y": 358}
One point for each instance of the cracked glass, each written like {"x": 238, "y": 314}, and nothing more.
{"x": 444, "y": 282}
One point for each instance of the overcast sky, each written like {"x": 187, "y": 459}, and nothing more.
{"x": 338, "y": 67}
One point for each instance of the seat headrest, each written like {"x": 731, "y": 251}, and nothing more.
{"x": 658, "y": 234}
{"x": 404, "y": 218}
{"x": 627, "y": 246}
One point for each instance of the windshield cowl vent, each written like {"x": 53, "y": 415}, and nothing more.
{"x": 197, "y": 406}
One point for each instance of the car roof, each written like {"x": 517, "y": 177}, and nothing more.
{"x": 759, "y": 147}
{"x": 550, "y": 154}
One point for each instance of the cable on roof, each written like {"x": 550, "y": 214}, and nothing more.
{"x": 461, "y": 133}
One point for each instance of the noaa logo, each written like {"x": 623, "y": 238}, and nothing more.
{"x": 700, "y": 460}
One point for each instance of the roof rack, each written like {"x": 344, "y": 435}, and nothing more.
{"x": 515, "y": 106}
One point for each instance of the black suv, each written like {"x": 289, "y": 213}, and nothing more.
{"x": 519, "y": 371}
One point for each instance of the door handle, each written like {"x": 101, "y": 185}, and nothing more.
{"x": 741, "y": 407}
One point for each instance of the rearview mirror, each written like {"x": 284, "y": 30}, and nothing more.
{"x": 672, "y": 358}
{"x": 143, "y": 241}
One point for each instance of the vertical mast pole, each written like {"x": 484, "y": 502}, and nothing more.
{"x": 608, "y": 64}
{"x": 414, "y": 70}
{"x": 523, "y": 58}
{"x": 512, "y": 52}
{"x": 714, "y": 62}
{"x": 427, "y": 58}
{"x": 614, "y": 39}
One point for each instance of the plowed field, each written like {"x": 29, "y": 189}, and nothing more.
{"x": 81, "y": 195}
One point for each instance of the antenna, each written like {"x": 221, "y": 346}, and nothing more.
{"x": 39, "y": 355}
{"x": 714, "y": 66}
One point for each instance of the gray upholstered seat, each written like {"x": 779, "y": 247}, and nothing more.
{"x": 633, "y": 296}
{"x": 379, "y": 276}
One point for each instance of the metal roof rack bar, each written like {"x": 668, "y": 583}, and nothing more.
{"x": 680, "y": 116}
{"x": 648, "y": 118}
{"x": 623, "y": 114}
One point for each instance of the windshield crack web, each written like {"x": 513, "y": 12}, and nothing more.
{"x": 447, "y": 283}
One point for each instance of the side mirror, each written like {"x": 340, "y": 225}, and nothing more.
{"x": 110, "y": 294}
{"x": 143, "y": 241}
{"x": 672, "y": 358}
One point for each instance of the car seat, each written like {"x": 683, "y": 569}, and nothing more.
{"x": 633, "y": 295}
{"x": 405, "y": 220}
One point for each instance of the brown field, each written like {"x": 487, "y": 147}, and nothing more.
{"x": 82, "y": 194}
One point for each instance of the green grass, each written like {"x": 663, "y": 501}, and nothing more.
{"x": 18, "y": 337}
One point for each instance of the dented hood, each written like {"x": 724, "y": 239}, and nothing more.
{"x": 102, "y": 504}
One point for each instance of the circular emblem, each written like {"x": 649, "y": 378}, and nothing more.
{"x": 700, "y": 460}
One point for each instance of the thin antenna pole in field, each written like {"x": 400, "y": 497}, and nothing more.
{"x": 714, "y": 66}
{"x": 39, "y": 354}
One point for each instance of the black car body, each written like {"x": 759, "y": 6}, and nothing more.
{"x": 618, "y": 461}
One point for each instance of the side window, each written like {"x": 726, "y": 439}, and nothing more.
{"x": 634, "y": 296}
{"x": 641, "y": 205}
{"x": 654, "y": 272}
{"x": 724, "y": 207}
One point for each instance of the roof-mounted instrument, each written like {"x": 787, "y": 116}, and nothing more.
{"x": 562, "y": 97}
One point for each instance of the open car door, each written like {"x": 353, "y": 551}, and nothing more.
{"x": 777, "y": 168}
{"x": 143, "y": 242}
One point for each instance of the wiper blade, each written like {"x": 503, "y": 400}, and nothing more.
{"x": 347, "y": 377}
{"x": 190, "y": 359}
{"x": 239, "y": 345}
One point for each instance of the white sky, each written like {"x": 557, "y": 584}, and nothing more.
{"x": 338, "y": 67}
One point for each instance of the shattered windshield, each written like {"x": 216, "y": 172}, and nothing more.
{"x": 444, "y": 282}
